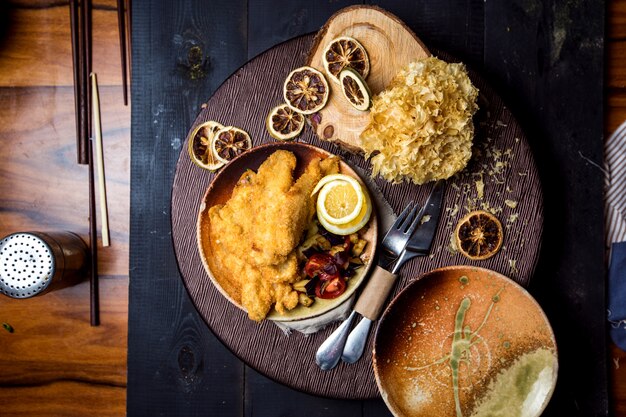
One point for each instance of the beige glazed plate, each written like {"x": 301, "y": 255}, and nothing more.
{"x": 465, "y": 341}
{"x": 219, "y": 192}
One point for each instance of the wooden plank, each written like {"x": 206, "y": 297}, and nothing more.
{"x": 180, "y": 55}
{"x": 288, "y": 20}
{"x": 39, "y": 51}
{"x": 44, "y": 189}
{"x": 60, "y": 398}
{"x": 455, "y": 27}
{"x": 38, "y": 122}
{"x": 375, "y": 408}
{"x": 266, "y": 398}
{"x": 538, "y": 51}
{"x": 616, "y": 68}
{"x": 54, "y": 356}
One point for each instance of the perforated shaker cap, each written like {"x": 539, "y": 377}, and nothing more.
{"x": 27, "y": 265}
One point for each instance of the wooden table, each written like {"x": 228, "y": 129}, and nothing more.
{"x": 55, "y": 363}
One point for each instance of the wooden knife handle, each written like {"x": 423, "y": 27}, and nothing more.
{"x": 372, "y": 300}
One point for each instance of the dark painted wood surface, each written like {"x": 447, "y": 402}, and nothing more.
{"x": 545, "y": 58}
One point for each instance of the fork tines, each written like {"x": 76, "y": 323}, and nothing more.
{"x": 409, "y": 225}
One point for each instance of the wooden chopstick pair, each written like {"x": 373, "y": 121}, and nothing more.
{"x": 87, "y": 102}
{"x": 104, "y": 214}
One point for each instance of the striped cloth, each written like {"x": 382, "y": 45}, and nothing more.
{"x": 615, "y": 206}
{"x": 615, "y": 227}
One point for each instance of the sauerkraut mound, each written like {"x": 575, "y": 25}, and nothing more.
{"x": 421, "y": 126}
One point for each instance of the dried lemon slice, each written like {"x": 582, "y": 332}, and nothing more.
{"x": 479, "y": 235}
{"x": 355, "y": 89}
{"x": 284, "y": 123}
{"x": 230, "y": 142}
{"x": 353, "y": 226}
{"x": 306, "y": 90}
{"x": 344, "y": 52}
{"x": 200, "y": 146}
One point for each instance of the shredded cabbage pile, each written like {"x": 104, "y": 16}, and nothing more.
{"x": 421, "y": 126}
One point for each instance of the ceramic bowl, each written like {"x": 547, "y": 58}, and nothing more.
{"x": 465, "y": 341}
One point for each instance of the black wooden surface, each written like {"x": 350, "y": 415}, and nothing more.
{"x": 546, "y": 60}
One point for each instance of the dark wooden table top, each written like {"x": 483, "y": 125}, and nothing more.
{"x": 533, "y": 52}
{"x": 546, "y": 59}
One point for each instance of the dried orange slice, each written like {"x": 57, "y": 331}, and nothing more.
{"x": 200, "y": 149}
{"x": 479, "y": 235}
{"x": 355, "y": 89}
{"x": 306, "y": 90}
{"x": 344, "y": 52}
{"x": 230, "y": 142}
{"x": 284, "y": 123}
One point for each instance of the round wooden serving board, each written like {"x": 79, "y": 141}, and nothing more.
{"x": 244, "y": 100}
{"x": 390, "y": 46}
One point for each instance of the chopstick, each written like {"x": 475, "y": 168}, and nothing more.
{"x": 94, "y": 287}
{"x": 104, "y": 212}
{"x": 81, "y": 145}
{"x": 121, "y": 23}
{"x": 86, "y": 55}
{"x": 80, "y": 20}
{"x": 129, "y": 49}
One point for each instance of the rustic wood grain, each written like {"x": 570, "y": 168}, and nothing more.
{"x": 55, "y": 363}
{"x": 289, "y": 359}
{"x": 390, "y": 46}
{"x": 180, "y": 56}
{"x": 65, "y": 398}
{"x": 36, "y": 48}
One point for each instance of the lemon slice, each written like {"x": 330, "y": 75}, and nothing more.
{"x": 306, "y": 90}
{"x": 340, "y": 201}
{"x": 284, "y": 123}
{"x": 355, "y": 89}
{"x": 355, "y": 225}
{"x": 230, "y": 142}
{"x": 200, "y": 146}
{"x": 328, "y": 178}
{"x": 345, "y": 52}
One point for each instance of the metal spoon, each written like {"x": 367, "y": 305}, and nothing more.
{"x": 329, "y": 353}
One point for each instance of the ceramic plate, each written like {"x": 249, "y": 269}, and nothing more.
{"x": 465, "y": 341}
{"x": 219, "y": 191}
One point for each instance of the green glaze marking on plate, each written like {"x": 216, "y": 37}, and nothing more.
{"x": 460, "y": 345}
{"x": 520, "y": 389}
{"x": 462, "y": 341}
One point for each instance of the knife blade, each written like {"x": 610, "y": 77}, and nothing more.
{"x": 421, "y": 241}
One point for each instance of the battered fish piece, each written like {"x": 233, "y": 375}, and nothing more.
{"x": 256, "y": 232}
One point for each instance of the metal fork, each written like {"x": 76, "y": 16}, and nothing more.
{"x": 399, "y": 233}
{"x": 329, "y": 353}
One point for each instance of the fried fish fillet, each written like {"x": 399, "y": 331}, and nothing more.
{"x": 258, "y": 229}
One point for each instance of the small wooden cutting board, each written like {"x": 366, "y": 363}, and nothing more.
{"x": 390, "y": 46}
